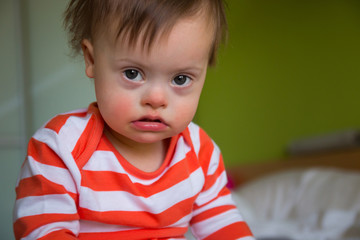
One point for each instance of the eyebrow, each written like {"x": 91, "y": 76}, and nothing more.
{"x": 130, "y": 61}
{"x": 196, "y": 69}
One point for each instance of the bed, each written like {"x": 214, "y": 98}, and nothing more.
{"x": 309, "y": 197}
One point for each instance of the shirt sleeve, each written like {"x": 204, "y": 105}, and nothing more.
{"x": 215, "y": 215}
{"x": 46, "y": 193}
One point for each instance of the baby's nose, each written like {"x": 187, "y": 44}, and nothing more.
{"x": 155, "y": 96}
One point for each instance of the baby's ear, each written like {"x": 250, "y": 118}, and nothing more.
{"x": 88, "y": 52}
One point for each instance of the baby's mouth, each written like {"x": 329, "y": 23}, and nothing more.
{"x": 150, "y": 124}
{"x": 150, "y": 120}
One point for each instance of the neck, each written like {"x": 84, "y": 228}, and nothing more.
{"x": 147, "y": 157}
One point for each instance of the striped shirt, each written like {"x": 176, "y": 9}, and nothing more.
{"x": 75, "y": 185}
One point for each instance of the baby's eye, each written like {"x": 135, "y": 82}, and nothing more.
{"x": 133, "y": 75}
{"x": 181, "y": 80}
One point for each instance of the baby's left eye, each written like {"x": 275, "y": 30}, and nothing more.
{"x": 181, "y": 80}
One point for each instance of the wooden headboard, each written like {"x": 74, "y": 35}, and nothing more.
{"x": 348, "y": 159}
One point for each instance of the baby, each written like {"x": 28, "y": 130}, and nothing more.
{"x": 132, "y": 165}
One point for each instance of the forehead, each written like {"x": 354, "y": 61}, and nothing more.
{"x": 192, "y": 32}
{"x": 148, "y": 30}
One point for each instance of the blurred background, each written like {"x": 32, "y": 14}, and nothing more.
{"x": 290, "y": 69}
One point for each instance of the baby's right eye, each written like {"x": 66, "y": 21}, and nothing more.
{"x": 133, "y": 75}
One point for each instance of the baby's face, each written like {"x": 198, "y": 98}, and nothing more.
{"x": 148, "y": 96}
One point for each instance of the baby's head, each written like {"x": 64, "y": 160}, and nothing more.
{"x": 86, "y": 19}
{"x": 148, "y": 59}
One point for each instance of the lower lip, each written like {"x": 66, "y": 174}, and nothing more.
{"x": 149, "y": 126}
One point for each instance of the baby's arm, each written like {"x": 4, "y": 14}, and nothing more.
{"x": 46, "y": 194}
{"x": 215, "y": 215}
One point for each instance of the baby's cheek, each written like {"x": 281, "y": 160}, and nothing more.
{"x": 186, "y": 112}
{"x": 116, "y": 107}
{"x": 123, "y": 106}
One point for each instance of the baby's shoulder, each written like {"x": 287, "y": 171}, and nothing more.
{"x": 199, "y": 137}
{"x": 70, "y": 127}
{"x": 198, "y": 133}
{"x": 74, "y": 133}
{"x": 69, "y": 120}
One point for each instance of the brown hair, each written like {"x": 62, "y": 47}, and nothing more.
{"x": 84, "y": 18}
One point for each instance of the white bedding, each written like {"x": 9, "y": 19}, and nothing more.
{"x": 312, "y": 204}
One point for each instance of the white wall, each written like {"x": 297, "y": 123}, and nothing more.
{"x": 33, "y": 61}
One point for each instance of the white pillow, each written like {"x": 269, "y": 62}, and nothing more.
{"x": 317, "y": 203}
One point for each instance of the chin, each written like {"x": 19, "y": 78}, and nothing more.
{"x": 150, "y": 139}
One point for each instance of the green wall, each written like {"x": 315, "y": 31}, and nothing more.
{"x": 290, "y": 69}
